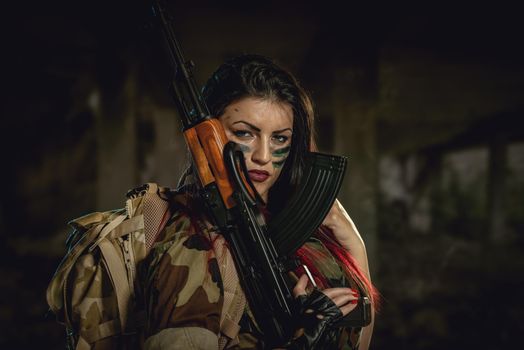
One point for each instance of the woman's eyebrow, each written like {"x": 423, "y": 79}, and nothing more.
{"x": 248, "y": 124}
{"x": 258, "y": 129}
{"x": 281, "y": 131}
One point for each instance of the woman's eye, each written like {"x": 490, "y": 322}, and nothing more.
{"x": 241, "y": 133}
{"x": 280, "y": 139}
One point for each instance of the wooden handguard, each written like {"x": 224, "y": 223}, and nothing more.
{"x": 206, "y": 142}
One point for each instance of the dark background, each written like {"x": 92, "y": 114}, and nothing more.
{"x": 427, "y": 103}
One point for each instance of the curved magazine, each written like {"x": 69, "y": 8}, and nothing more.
{"x": 307, "y": 209}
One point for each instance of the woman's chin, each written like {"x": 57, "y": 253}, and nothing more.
{"x": 262, "y": 191}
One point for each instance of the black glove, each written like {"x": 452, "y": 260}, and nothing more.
{"x": 316, "y": 314}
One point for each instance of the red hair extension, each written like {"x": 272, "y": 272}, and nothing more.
{"x": 347, "y": 262}
{"x": 306, "y": 256}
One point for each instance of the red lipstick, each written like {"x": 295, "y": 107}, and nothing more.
{"x": 258, "y": 175}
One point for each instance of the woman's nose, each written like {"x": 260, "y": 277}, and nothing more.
{"x": 261, "y": 153}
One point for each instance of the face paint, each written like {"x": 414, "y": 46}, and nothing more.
{"x": 279, "y": 164}
{"x": 245, "y": 149}
{"x": 282, "y": 152}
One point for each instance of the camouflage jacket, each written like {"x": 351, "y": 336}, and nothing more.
{"x": 123, "y": 279}
{"x": 184, "y": 287}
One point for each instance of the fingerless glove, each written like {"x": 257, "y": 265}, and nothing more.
{"x": 316, "y": 313}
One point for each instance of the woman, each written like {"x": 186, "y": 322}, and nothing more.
{"x": 190, "y": 284}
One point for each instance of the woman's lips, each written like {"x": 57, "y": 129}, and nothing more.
{"x": 258, "y": 175}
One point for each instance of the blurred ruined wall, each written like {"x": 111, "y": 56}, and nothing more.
{"x": 426, "y": 105}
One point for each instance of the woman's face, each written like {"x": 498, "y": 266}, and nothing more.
{"x": 263, "y": 129}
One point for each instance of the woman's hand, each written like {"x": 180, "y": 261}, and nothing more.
{"x": 316, "y": 312}
{"x": 344, "y": 298}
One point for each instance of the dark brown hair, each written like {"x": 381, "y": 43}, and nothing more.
{"x": 258, "y": 76}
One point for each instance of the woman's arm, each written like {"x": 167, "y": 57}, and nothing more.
{"x": 346, "y": 233}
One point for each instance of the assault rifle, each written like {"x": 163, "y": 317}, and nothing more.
{"x": 261, "y": 252}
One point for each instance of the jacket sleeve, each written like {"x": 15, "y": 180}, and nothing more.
{"x": 182, "y": 339}
{"x": 183, "y": 289}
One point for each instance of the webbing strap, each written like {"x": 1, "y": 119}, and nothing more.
{"x": 110, "y": 328}
{"x": 118, "y": 273}
{"x": 229, "y": 328}
{"x": 107, "y": 228}
{"x": 102, "y": 331}
{"x": 234, "y": 298}
{"x": 229, "y": 325}
{"x": 127, "y": 226}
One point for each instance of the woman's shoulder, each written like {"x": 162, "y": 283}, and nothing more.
{"x": 184, "y": 231}
{"x": 186, "y": 212}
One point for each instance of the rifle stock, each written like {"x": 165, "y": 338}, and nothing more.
{"x": 206, "y": 142}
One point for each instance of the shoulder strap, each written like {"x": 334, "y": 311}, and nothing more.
{"x": 234, "y": 298}
{"x": 118, "y": 274}
{"x": 153, "y": 205}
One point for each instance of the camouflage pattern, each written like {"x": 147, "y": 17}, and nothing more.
{"x": 178, "y": 284}
{"x": 181, "y": 278}
{"x": 183, "y": 339}
{"x": 183, "y": 286}
{"x": 82, "y": 293}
